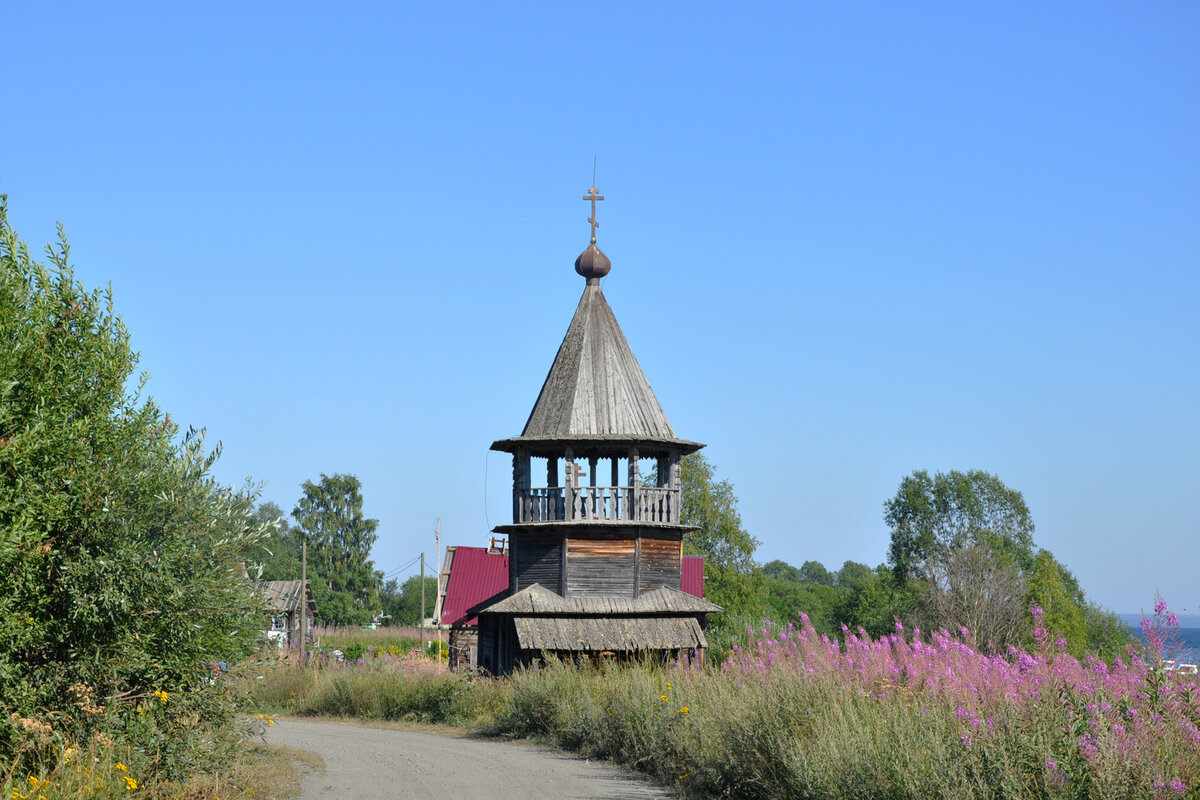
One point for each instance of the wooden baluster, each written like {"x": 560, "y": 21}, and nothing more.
{"x": 634, "y": 480}
{"x": 569, "y": 480}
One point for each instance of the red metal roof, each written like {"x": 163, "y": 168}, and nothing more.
{"x": 692, "y": 569}
{"x": 475, "y": 576}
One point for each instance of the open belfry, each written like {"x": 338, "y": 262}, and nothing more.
{"x": 597, "y": 537}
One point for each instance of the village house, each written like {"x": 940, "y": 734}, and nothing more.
{"x": 594, "y": 567}
{"x": 282, "y": 602}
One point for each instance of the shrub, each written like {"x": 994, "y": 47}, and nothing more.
{"x": 117, "y": 547}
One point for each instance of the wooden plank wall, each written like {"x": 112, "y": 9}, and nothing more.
{"x": 536, "y": 558}
{"x": 659, "y": 563}
{"x": 601, "y": 567}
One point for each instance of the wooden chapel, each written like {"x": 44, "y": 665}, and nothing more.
{"x": 594, "y": 549}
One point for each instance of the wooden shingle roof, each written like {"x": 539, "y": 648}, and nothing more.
{"x": 619, "y": 634}
{"x": 596, "y": 390}
{"x": 285, "y": 596}
{"x": 537, "y": 599}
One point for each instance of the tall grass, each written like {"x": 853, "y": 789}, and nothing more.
{"x": 791, "y": 713}
{"x": 380, "y": 686}
{"x": 795, "y": 714}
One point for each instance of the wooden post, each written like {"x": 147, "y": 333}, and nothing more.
{"x": 437, "y": 538}
{"x": 676, "y": 485}
{"x": 594, "y": 502}
{"x": 569, "y": 483}
{"x": 616, "y": 492}
{"x": 422, "y": 604}
{"x": 551, "y": 485}
{"x": 303, "y": 599}
{"x": 634, "y": 480}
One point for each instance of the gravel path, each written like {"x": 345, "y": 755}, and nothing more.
{"x": 366, "y": 763}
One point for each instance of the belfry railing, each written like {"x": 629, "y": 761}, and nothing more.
{"x": 598, "y": 504}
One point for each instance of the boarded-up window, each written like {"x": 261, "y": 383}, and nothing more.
{"x": 659, "y": 566}
{"x": 537, "y": 558}
{"x": 601, "y": 567}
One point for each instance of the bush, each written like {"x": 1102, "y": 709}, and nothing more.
{"x": 118, "y": 549}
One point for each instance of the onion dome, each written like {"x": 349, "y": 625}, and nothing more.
{"x": 592, "y": 264}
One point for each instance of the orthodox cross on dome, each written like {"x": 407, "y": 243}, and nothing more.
{"x": 593, "y": 195}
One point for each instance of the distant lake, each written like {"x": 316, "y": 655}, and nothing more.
{"x": 1189, "y": 637}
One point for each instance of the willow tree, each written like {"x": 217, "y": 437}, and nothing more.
{"x": 118, "y": 550}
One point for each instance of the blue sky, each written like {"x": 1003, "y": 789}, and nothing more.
{"x": 847, "y": 241}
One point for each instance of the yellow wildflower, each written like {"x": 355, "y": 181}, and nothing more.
{"x": 664, "y": 698}
{"x": 122, "y": 767}
{"x": 683, "y": 710}
{"x": 130, "y": 783}
{"x": 161, "y": 695}
{"x": 16, "y": 795}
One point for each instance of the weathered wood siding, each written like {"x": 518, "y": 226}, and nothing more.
{"x": 601, "y": 567}
{"x": 659, "y": 563}
{"x": 536, "y": 558}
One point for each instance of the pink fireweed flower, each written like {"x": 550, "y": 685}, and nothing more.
{"x": 899, "y": 627}
{"x": 1178, "y": 786}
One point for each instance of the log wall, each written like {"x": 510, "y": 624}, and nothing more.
{"x": 601, "y": 567}
{"x": 659, "y": 563}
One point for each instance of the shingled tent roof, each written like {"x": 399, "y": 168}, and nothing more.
{"x": 596, "y": 391}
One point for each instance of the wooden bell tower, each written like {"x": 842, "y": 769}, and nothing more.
{"x": 594, "y": 547}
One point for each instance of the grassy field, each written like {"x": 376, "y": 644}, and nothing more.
{"x": 794, "y": 714}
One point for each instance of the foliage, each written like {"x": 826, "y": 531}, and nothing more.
{"x": 778, "y": 570}
{"x": 403, "y": 602}
{"x": 104, "y": 771}
{"x": 978, "y": 586}
{"x": 277, "y": 556}
{"x": 731, "y": 577}
{"x": 119, "y": 550}
{"x": 330, "y": 518}
{"x": 933, "y": 516}
{"x": 1055, "y": 591}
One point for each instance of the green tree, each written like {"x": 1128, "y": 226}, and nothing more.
{"x": 853, "y": 575}
{"x": 732, "y": 579}
{"x": 931, "y": 516}
{"x": 781, "y": 571}
{"x": 787, "y": 600}
{"x": 1054, "y": 589}
{"x": 329, "y": 517}
{"x": 403, "y": 603}
{"x": 277, "y": 556}
{"x": 118, "y": 549}
{"x": 815, "y": 572}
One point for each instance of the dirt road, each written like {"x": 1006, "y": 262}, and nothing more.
{"x": 366, "y": 763}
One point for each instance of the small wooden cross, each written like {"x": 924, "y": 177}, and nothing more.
{"x": 593, "y": 195}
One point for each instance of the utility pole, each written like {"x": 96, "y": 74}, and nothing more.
{"x": 303, "y": 600}
{"x": 422, "y": 603}
{"x": 438, "y": 540}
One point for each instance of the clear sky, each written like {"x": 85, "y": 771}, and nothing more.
{"x": 848, "y": 241}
